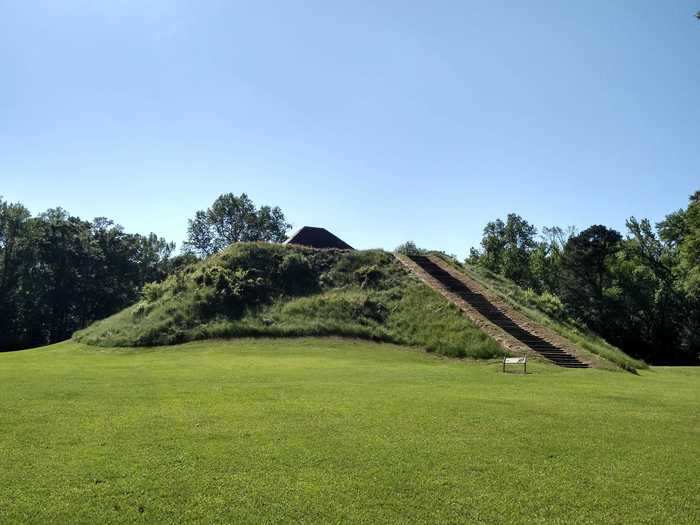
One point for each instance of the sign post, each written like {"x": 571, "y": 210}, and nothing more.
{"x": 515, "y": 361}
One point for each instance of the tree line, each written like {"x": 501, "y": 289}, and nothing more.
{"x": 59, "y": 273}
{"x": 640, "y": 291}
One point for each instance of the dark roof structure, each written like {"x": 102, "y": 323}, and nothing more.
{"x": 317, "y": 238}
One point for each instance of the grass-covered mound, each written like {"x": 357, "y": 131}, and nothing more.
{"x": 260, "y": 289}
{"x": 545, "y": 309}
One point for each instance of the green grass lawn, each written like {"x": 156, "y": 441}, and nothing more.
{"x": 319, "y": 431}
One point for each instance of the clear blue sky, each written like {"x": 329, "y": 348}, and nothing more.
{"x": 382, "y": 121}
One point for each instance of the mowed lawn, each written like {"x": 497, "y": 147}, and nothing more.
{"x": 328, "y": 431}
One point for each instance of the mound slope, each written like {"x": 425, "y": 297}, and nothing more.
{"x": 260, "y": 289}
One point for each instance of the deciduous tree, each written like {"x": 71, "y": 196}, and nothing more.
{"x": 232, "y": 219}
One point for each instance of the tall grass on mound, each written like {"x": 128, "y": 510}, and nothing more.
{"x": 548, "y": 310}
{"x": 258, "y": 289}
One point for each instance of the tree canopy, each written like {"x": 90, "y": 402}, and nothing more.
{"x": 506, "y": 247}
{"x": 640, "y": 292}
{"x": 58, "y": 272}
{"x": 232, "y": 219}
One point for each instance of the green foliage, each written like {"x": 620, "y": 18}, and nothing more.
{"x": 261, "y": 289}
{"x": 58, "y": 273}
{"x": 338, "y": 431}
{"x": 152, "y": 292}
{"x": 545, "y": 260}
{"x": 641, "y": 293}
{"x": 511, "y": 249}
{"x": 230, "y": 219}
{"x": 547, "y": 310}
{"x": 369, "y": 276}
{"x": 588, "y": 277}
{"x": 409, "y": 248}
{"x": 689, "y": 248}
{"x": 297, "y": 275}
{"x": 547, "y": 302}
{"x": 506, "y": 248}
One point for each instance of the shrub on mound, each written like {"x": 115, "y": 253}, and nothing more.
{"x": 273, "y": 290}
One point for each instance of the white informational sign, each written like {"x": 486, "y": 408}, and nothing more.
{"x": 515, "y": 361}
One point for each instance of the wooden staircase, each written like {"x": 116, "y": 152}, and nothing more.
{"x": 494, "y": 315}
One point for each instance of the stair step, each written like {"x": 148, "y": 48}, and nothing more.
{"x": 486, "y": 308}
